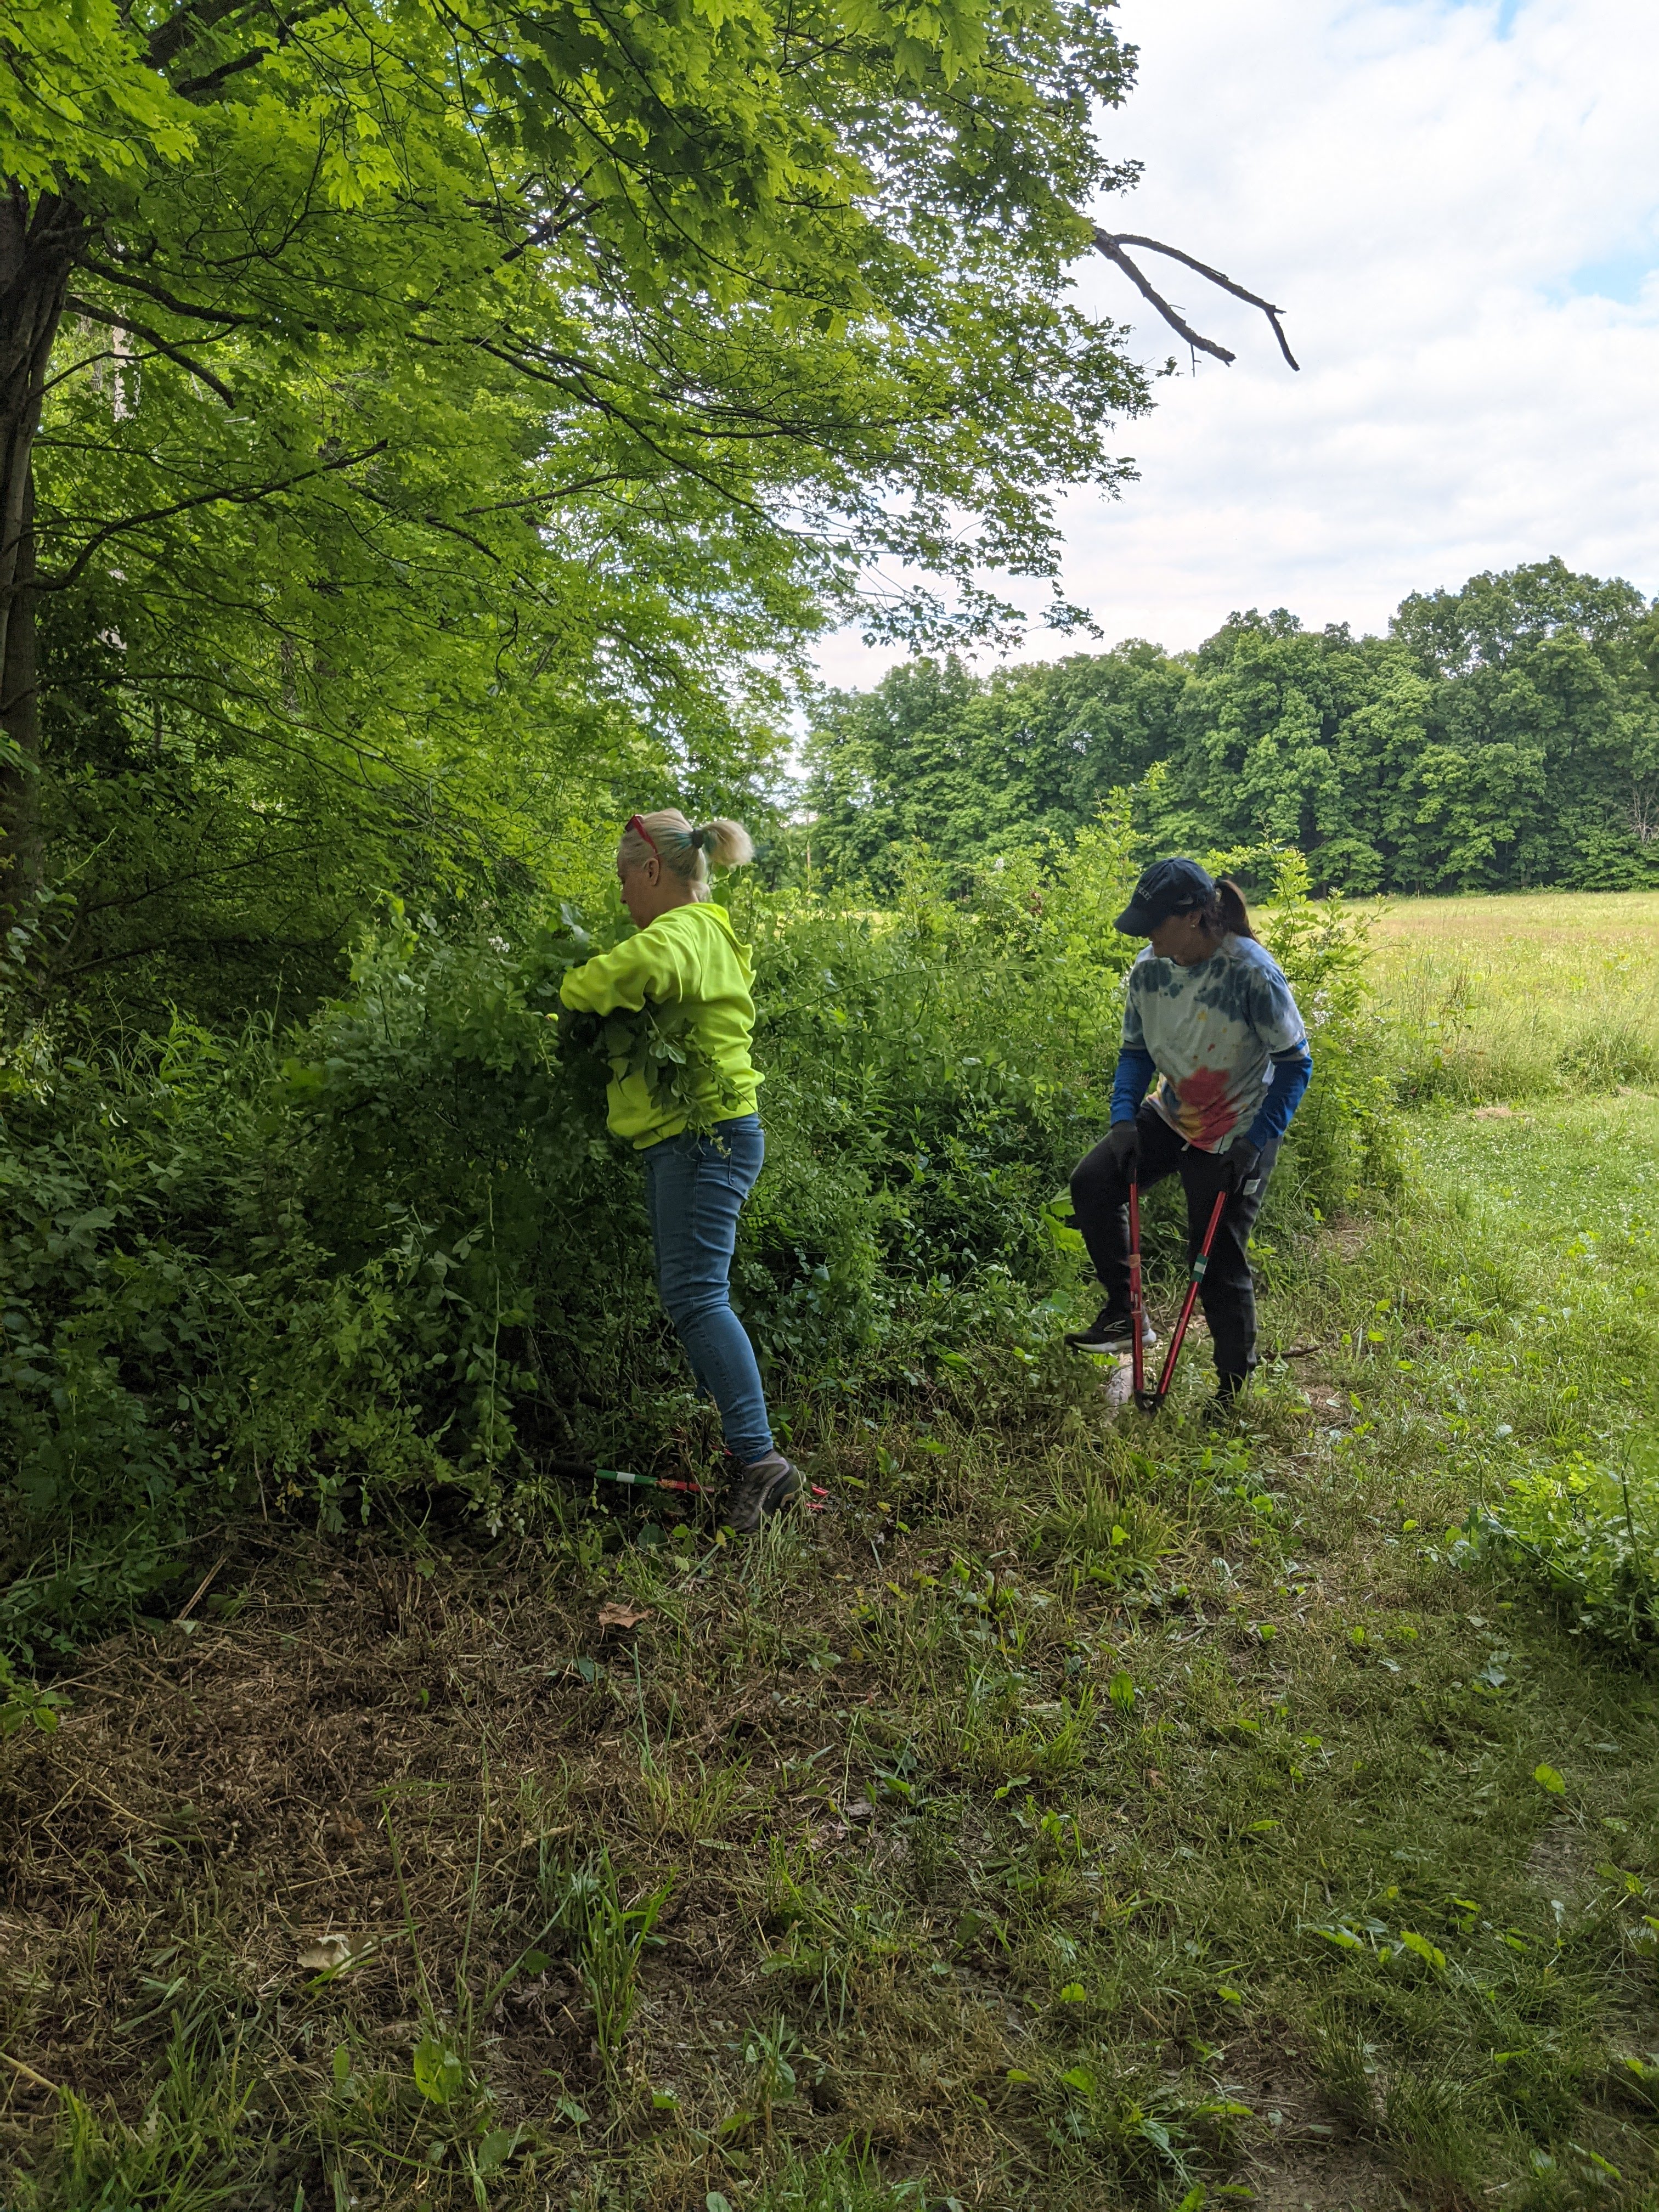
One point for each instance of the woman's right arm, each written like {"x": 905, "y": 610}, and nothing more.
{"x": 641, "y": 968}
{"x": 1136, "y": 1064}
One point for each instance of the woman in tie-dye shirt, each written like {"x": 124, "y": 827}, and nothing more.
{"x": 1209, "y": 1015}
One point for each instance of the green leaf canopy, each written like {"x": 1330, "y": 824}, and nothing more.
{"x": 456, "y": 410}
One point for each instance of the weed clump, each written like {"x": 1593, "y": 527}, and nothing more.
{"x": 1591, "y": 1531}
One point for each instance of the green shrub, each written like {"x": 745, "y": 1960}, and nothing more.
{"x": 397, "y": 1246}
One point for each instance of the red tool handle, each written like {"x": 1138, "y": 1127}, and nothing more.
{"x": 1191, "y": 1298}
{"x": 1137, "y": 1305}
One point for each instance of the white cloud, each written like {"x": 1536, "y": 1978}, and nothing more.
{"x": 1458, "y": 207}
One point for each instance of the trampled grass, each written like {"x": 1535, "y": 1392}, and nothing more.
{"x": 1524, "y": 996}
{"x": 1078, "y": 1814}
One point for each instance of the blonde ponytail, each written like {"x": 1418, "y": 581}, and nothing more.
{"x": 686, "y": 851}
{"x": 726, "y": 844}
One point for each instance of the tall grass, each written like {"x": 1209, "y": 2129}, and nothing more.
{"x": 1523, "y": 997}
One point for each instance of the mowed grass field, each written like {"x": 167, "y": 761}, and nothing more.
{"x": 1521, "y": 996}
{"x": 1077, "y": 1813}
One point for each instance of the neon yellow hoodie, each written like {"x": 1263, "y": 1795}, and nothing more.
{"x": 688, "y": 958}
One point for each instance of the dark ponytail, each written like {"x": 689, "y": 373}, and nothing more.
{"x": 1226, "y": 914}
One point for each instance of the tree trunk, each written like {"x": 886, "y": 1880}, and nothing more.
{"x": 39, "y": 244}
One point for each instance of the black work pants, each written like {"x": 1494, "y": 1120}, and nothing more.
{"x": 1100, "y": 1210}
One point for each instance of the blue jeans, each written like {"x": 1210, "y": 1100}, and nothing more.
{"x": 694, "y": 1187}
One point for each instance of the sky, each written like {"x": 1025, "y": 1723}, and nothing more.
{"x": 1457, "y": 204}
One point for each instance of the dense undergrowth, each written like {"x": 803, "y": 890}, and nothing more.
{"x": 394, "y": 1253}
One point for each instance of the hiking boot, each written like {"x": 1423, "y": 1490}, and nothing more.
{"x": 758, "y": 1491}
{"x": 1224, "y": 1409}
{"x": 1112, "y": 1330}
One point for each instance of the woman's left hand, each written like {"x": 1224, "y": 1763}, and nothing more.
{"x": 1240, "y": 1161}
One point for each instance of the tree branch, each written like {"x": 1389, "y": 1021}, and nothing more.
{"x": 244, "y": 497}
{"x": 549, "y": 227}
{"x": 154, "y": 338}
{"x": 551, "y": 498}
{"x": 184, "y": 26}
{"x": 1112, "y": 244}
{"x": 89, "y": 360}
{"x": 432, "y": 522}
{"x": 167, "y": 300}
{"x": 193, "y": 87}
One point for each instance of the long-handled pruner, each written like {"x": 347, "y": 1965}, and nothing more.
{"x": 1150, "y": 1400}
{"x": 581, "y": 1470}
{"x": 1137, "y": 1301}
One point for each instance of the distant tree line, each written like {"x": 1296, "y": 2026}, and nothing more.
{"x": 1500, "y": 736}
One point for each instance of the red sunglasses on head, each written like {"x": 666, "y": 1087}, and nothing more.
{"x": 634, "y": 822}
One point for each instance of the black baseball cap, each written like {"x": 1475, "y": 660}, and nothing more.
{"x": 1168, "y": 887}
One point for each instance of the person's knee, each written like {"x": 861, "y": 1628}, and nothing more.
{"x": 1226, "y": 1291}
{"x": 695, "y": 1302}
{"x": 1095, "y": 1183}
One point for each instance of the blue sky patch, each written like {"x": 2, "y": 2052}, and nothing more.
{"x": 1614, "y": 277}
{"x": 1504, "y": 14}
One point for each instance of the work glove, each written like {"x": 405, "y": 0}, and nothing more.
{"x": 1241, "y": 1162}
{"x": 1123, "y": 1147}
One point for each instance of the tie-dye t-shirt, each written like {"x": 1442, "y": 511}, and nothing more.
{"x": 1213, "y": 1032}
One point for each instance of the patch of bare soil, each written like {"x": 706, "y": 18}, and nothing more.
{"x": 1561, "y": 1862}
{"x": 1334, "y": 2178}
{"x": 1306, "y": 2158}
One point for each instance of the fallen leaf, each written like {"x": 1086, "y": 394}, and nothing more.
{"x": 614, "y": 1615}
{"x": 323, "y": 1954}
{"x": 860, "y": 1809}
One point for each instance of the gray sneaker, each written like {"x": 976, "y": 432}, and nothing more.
{"x": 758, "y": 1491}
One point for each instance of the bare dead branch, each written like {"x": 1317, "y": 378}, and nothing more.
{"x": 1111, "y": 244}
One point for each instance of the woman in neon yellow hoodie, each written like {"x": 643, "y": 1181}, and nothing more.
{"x": 702, "y": 1153}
